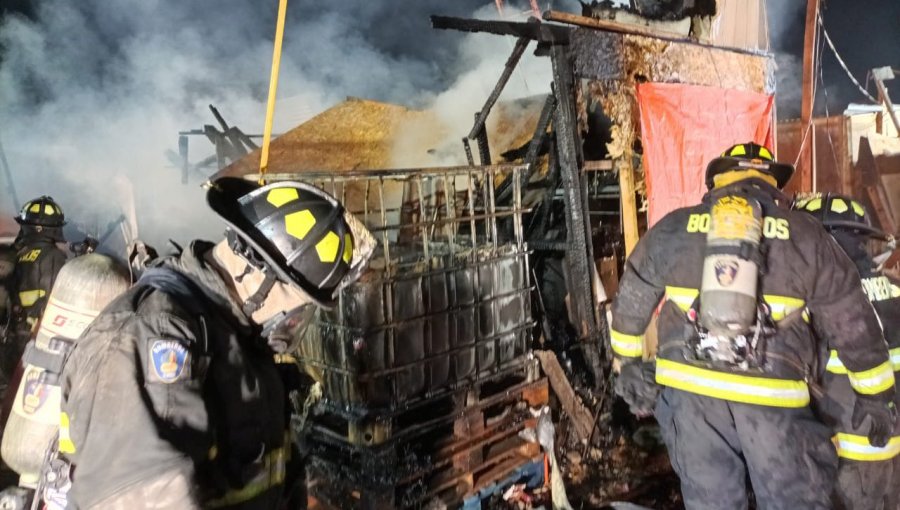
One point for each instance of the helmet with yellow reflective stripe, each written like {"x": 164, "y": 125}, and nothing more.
{"x": 295, "y": 229}
{"x": 41, "y": 212}
{"x": 749, "y": 156}
{"x": 837, "y": 211}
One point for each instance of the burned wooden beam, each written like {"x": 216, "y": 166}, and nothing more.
{"x": 484, "y": 148}
{"x": 582, "y": 420}
{"x": 183, "y": 154}
{"x": 219, "y": 118}
{"x": 580, "y": 256}
{"x": 534, "y": 147}
{"x": 533, "y": 30}
{"x": 508, "y": 68}
{"x": 610, "y": 26}
{"x": 246, "y": 139}
{"x": 540, "y": 134}
{"x": 468, "y": 148}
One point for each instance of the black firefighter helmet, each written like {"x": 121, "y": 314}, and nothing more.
{"x": 748, "y": 156}
{"x": 294, "y": 229}
{"x": 41, "y": 212}
{"x": 837, "y": 211}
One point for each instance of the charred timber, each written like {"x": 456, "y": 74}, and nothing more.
{"x": 534, "y": 147}
{"x": 533, "y": 30}
{"x": 484, "y": 148}
{"x": 611, "y": 26}
{"x": 508, "y": 68}
{"x": 468, "y": 149}
{"x": 580, "y": 254}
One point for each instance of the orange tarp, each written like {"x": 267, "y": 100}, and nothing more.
{"x": 683, "y": 127}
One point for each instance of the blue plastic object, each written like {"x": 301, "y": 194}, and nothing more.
{"x": 531, "y": 474}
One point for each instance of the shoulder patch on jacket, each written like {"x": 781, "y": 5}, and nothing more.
{"x": 169, "y": 361}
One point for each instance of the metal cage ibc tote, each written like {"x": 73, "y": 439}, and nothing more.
{"x": 445, "y": 303}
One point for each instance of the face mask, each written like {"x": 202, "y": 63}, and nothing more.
{"x": 284, "y": 331}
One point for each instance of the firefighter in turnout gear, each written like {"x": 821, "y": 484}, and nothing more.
{"x": 38, "y": 261}
{"x": 733, "y": 398}
{"x": 868, "y": 476}
{"x": 172, "y": 398}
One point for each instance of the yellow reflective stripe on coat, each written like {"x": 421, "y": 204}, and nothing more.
{"x": 836, "y": 366}
{"x": 780, "y": 306}
{"x": 873, "y": 381}
{"x": 65, "y": 443}
{"x": 733, "y": 387}
{"x": 30, "y": 297}
{"x": 271, "y": 474}
{"x": 682, "y": 296}
{"x": 854, "y": 447}
{"x": 629, "y": 346}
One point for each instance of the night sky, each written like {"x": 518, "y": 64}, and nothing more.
{"x": 865, "y": 33}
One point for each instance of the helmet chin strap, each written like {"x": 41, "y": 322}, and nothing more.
{"x": 256, "y": 300}
{"x": 243, "y": 250}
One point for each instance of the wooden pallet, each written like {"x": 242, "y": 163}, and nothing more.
{"x": 415, "y": 420}
{"x": 449, "y": 463}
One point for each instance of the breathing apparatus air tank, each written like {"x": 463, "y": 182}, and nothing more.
{"x": 728, "y": 290}
{"x": 84, "y": 286}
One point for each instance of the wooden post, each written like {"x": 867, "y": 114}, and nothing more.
{"x": 629, "y": 202}
{"x": 807, "y": 159}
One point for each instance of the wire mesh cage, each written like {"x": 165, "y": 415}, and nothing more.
{"x": 445, "y": 302}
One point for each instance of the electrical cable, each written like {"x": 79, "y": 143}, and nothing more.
{"x": 821, "y": 78}
{"x": 841, "y": 61}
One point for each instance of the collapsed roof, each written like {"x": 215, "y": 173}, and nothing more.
{"x": 360, "y": 134}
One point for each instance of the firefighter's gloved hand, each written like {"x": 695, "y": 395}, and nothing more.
{"x": 883, "y": 414}
{"x": 636, "y": 384}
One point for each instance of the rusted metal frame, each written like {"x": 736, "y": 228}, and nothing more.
{"x": 534, "y": 30}
{"x": 397, "y": 174}
{"x": 517, "y": 206}
{"x": 508, "y": 68}
{"x": 386, "y": 289}
{"x": 491, "y": 207}
{"x": 423, "y": 224}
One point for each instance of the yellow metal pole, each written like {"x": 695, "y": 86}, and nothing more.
{"x": 273, "y": 86}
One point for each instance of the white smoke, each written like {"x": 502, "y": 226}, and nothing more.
{"x": 93, "y": 93}
{"x": 782, "y": 17}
